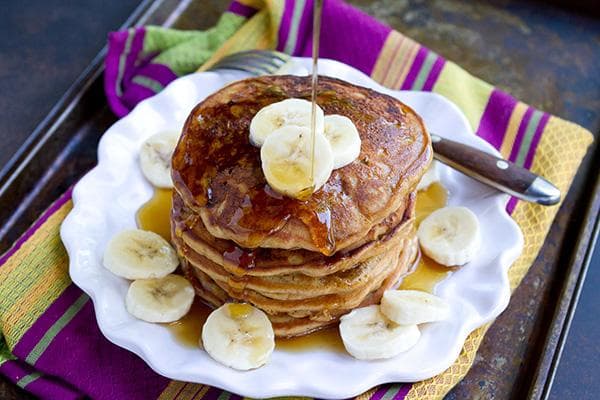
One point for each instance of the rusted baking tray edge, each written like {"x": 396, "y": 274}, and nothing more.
{"x": 26, "y": 180}
{"x": 63, "y": 147}
{"x": 567, "y": 302}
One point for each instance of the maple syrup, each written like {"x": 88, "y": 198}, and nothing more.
{"x": 428, "y": 273}
{"x": 187, "y": 330}
{"x": 252, "y": 209}
{"x": 426, "y": 276}
{"x": 155, "y": 214}
{"x": 318, "y": 9}
{"x": 328, "y": 339}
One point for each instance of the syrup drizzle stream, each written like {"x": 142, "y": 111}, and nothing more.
{"x": 315, "y": 82}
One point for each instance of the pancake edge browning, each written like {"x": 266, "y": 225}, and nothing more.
{"x": 286, "y": 325}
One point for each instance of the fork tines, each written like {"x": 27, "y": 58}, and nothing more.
{"x": 257, "y": 62}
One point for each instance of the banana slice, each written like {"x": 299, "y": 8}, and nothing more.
{"x": 410, "y": 307}
{"x": 344, "y": 139}
{"x": 368, "y": 335}
{"x": 450, "y": 235}
{"x": 138, "y": 254}
{"x": 432, "y": 175}
{"x": 155, "y": 158}
{"x": 289, "y": 112}
{"x": 286, "y": 161}
{"x": 160, "y": 300}
{"x": 239, "y": 336}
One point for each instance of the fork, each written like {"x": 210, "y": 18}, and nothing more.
{"x": 477, "y": 164}
{"x": 256, "y": 62}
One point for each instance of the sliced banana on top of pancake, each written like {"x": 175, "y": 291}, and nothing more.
{"x": 450, "y": 235}
{"x": 286, "y": 161}
{"x": 138, "y": 254}
{"x": 409, "y": 307}
{"x": 369, "y": 335}
{"x": 289, "y": 112}
{"x": 239, "y": 336}
{"x": 164, "y": 299}
{"x": 155, "y": 158}
{"x": 344, "y": 139}
{"x": 431, "y": 176}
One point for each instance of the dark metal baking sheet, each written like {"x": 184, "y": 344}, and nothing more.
{"x": 520, "y": 352}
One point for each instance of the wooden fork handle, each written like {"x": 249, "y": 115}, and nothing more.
{"x": 494, "y": 171}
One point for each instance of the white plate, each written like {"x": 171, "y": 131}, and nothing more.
{"x": 107, "y": 198}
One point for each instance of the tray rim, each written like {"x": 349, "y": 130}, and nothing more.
{"x": 581, "y": 250}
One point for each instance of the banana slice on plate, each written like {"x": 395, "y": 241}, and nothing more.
{"x": 289, "y": 112}
{"x": 432, "y": 175}
{"x": 155, "y": 158}
{"x": 344, "y": 139}
{"x": 138, "y": 254}
{"x": 409, "y": 307}
{"x": 286, "y": 161}
{"x": 239, "y": 336}
{"x": 369, "y": 335}
{"x": 164, "y": 299}
{"x": 450, "y": 235}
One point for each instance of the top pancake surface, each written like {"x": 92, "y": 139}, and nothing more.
{"x": 218, "y": 172}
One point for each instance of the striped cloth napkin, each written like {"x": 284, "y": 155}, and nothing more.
{"x": 50, "y": 343}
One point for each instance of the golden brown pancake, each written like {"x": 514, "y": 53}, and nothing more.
{"x": 218, "y": 172}
{"x": 305, "y": 263}
{"x": 264, "y": 262}
{"x": 292, "y": 322}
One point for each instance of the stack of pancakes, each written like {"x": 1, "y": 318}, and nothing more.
{"x": 304, "y": 263}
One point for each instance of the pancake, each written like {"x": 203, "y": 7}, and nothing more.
{"x": 265, "y": 262}
{"x": 217, "y": 172}
{"x": 290, "y": 322}
{"x": 297, "y": 285}
{"x": 304, "y": 263}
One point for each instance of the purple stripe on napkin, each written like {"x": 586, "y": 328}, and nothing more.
{"x": 157, "y": 72}
{"x": 135, "y": 93}
{"x": 34, "y": 334}
{"x": 241, "y": 9}
{"x": 42, "y": 386}
{"x": 112, "y": 81}
{"x": 304, "y": 36}
{"x": 137, "y": 45}
{"x": 415, "y": 68}
{"x": 47, "y": 387}
{"x": 286, "y": 23}
{"x": 353, "y": 37}
{"x": 15, "y": 370}
{"x": 110, "y": 372}
{"x": 496, "y": 117}
{"x": 380, "y": 392}
{"x": 434, "y": 74}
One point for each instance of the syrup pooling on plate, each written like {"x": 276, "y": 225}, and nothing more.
{"x": 187, "y": 330}
{"x": 428, "y": 273}
{"x": 326, "y": 339}
{"x": 154, "y": 215}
